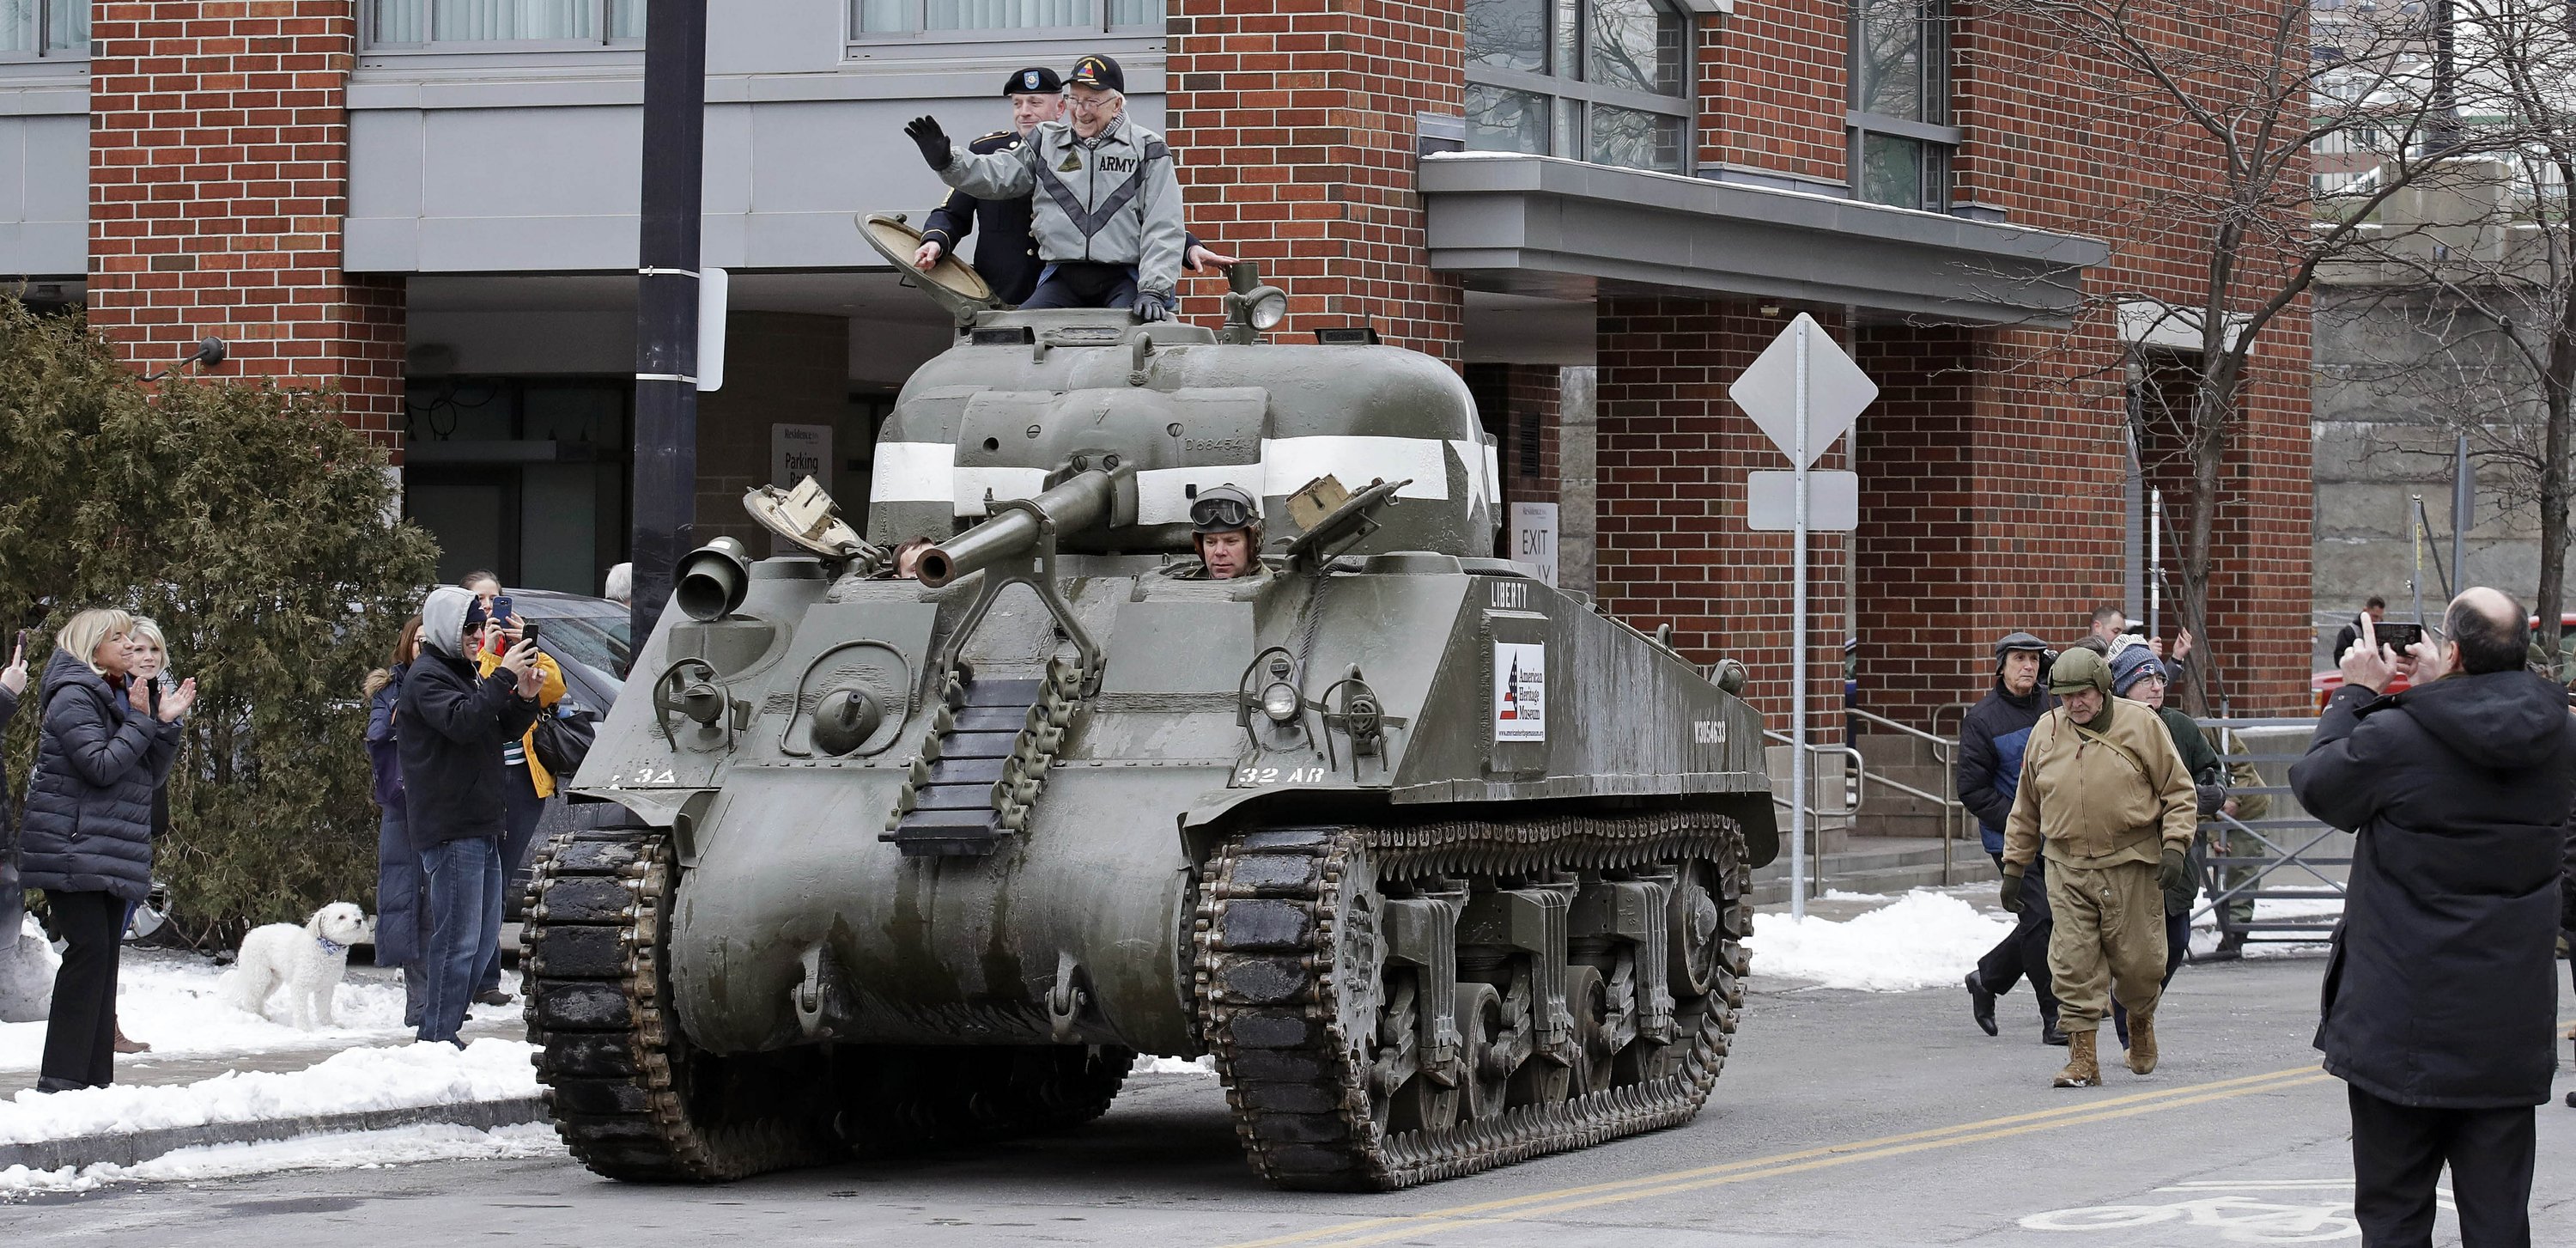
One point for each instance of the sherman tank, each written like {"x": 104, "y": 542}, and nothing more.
{"x": 1442, "y": 866}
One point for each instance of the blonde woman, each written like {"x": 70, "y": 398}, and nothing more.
{"x": 101, "y": 752}
{"x": 151, "y": 668}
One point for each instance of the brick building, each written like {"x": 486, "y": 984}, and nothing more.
{"x": 1599, "y": 209}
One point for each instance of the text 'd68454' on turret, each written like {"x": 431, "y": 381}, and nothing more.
{"x": 1167, "y": 699}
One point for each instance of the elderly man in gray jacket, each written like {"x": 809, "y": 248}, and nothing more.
{"x": 1106, "y": 199}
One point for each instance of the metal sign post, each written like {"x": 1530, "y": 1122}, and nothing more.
{"x": 1804, "y": 393}
{"x": 1799, "y": 788}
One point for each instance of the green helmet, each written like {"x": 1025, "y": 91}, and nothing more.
{"x": 2079, "y": 669}
{"x": 1223, "y": 509}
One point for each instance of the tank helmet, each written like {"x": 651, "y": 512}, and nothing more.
{"x": 1223, "y": 509}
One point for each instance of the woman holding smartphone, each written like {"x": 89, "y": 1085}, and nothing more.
{"x": 103, "y": 750}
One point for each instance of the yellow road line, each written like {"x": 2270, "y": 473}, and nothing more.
{"x": 1567, "y": 1206}
{"x": 1832, "y": 1154}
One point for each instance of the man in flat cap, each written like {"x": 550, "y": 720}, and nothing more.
{"x": 1105, "y": 199}
{"x": 1007, "y": 259}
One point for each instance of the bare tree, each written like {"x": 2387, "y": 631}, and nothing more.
{"x": 2486, "y": 293}
{"x": 2222, "y": 108}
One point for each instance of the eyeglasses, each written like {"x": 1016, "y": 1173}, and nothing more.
{"x": 1091, "y": 105}
{"x": 1226, "y": 512}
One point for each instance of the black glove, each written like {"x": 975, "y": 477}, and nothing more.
{"x": 933, "y": 141}
{"x": 2172, "y": 872}
{"x": 2012, "y": 889}
{"x": 1153, "y": 305}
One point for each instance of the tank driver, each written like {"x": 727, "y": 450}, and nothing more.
{"x": 1007, "y": 259}
{"x": 1226, "y": 529}
{"x": 1105, "y": 201}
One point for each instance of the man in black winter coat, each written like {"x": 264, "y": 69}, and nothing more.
{"x": 451, "y": 725}
{"x": 1991, "y": 738}
{"x": 2440, "y": 998}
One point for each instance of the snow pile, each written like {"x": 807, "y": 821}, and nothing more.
{"x": 1922, "y": 940}
{"x": 405, "y": 1077}
{"x": 27, "y": 966}
{"x": 1151, "y": 1065}
{"x": 361, "y": 1150}
{"x": 168, "y": 999}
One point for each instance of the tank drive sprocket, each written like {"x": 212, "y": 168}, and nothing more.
{"x": 1316, "y": 990}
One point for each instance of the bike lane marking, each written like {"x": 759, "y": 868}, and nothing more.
{"x": 1641, "y": 1187}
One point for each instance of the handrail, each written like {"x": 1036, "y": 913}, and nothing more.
{"x": 1908, "y": 729}
{"x": 1945, "y": 753}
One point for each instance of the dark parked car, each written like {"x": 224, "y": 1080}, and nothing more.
{"x": 588, "y": 638}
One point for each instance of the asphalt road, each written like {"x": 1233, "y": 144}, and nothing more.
{"x": 1844, "y": 1119}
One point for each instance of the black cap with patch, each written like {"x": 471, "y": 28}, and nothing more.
{"x": 1035, "y": 80}
{"x": 1098, "y": 71}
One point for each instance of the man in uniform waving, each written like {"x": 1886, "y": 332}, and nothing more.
{"x": 1106, "y": 201}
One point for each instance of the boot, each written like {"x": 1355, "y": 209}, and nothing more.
{"x": 2082, "y": 1071}
{"x": 2142, "y": 1044}
{"x": 1981, "y": 1003}
{"x": 124, "y": 1045}
{"x": 2049, "y": 1032}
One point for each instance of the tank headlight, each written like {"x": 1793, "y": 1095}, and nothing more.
{"x": 1279, "y": 701}
{"x": 1265, "y": 306}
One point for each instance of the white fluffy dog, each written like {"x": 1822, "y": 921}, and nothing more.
{"x": 306, "y": 962}
{"x": 27, "y": 966}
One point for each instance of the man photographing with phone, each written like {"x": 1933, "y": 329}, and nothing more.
{"x": 455, "y": 722}
{"x": 2439, "y": 1001}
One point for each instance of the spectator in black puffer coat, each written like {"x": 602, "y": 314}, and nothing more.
{"x": 13, "y": 895}
{"x": 102, "y": 752}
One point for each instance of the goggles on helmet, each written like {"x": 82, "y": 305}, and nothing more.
{"x": 1220, "y": 513}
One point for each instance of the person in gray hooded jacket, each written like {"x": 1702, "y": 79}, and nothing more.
{"x": 102, "y": 752}
{"x": 1106, "y": 198}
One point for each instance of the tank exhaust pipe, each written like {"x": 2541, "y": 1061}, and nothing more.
{"x": 1076, "y": 503}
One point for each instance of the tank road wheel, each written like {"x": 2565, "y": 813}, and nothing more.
{"x": 632, "y": 1098}
{"x": 1587, "y": 998}
{"x": 1485, "y": 1049}
{"x": 1317, "y": 992}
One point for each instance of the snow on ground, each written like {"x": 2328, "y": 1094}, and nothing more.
{"x": 360, "y": 1150}
{"x": 1928, "y": 939}
{"x": 1920, "y": 940}
{"x": 402, "y": 1077}
{"x": 167, "y": 998}
{"x": 1150, "y": 1065}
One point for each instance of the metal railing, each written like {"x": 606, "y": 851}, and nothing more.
{"x": 1945, "y": 753}
{"x": 2282, "y": 845}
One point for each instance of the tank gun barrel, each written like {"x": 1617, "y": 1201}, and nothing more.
{"x": 1077, "y": 502}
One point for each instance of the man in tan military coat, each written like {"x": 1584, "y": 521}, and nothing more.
{"x": 2106, "y": 797}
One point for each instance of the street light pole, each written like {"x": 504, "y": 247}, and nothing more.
{"x": 666, "y": 300}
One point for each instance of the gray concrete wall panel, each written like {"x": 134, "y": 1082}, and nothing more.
{"x": 44, "y": 191}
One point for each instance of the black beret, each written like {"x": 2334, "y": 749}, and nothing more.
{"x": 1035, "y": 80}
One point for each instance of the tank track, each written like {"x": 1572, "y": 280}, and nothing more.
{"x": 1277, "y": 1005}
{"x": 634, "y": 1100}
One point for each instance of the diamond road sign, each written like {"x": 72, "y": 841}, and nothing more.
{"x": 1836, "y": 390}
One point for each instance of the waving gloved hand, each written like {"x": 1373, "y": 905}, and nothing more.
{"x": 2012, "y": 889}
{"x": 933, "y": 141}
{"x": 2171, "y": 873}
{"x": 1153, "y": 305}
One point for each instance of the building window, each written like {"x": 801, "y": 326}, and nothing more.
{"x": 907, "y": 17}
{"x": 416, "y": 23}
{"x": 1900, "y": 134}
{"x": 44, "y": 29}
{"x": 1606, "y": 81}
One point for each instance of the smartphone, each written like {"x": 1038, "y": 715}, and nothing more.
{"x": 22, "y": 639}
{"x": 2399, "y": 637}
{"x": 529, "y": 634}
{"x": 501, "y": 610}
